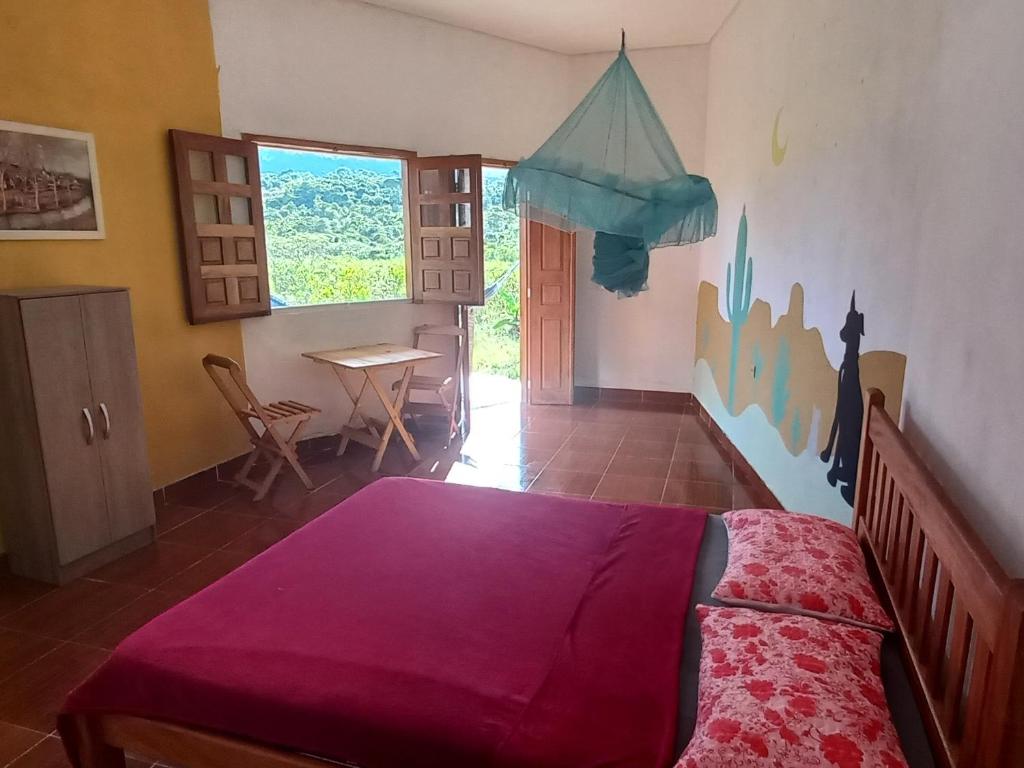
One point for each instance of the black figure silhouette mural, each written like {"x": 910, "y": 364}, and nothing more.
{"x": 843, "y": 447}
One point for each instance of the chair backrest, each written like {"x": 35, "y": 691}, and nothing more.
{"x": 230, "y": 380}
{"x": 450, "y": 331}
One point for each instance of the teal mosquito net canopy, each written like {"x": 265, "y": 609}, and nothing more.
{"x": 611, "y": 167}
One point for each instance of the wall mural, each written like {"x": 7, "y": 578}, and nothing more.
{"x": 773, "y": 390}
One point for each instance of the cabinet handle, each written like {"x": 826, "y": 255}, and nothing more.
{"x": 88, "y": 421}
{"x": 106, "y": 421}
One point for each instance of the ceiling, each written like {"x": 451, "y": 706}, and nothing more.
{"x": 578, "y": 26}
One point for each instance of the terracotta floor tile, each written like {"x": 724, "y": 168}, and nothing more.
{"x": 704, "y": 471}
{"x": 116, "y": 627}
{"x": 581, "y": 461}
{"x": 646, "y": 449}
{"x": 151, "y": 565}
{"x": 202, "y": 490}
{"x": 18, "y": 649}
{"x": 170, "y": 516}
{"x": 16, "y": 592}
{"x": 638, "y": 466}
{"x": 553, "y": 427}
{"x": 655, "y": 416}
{"x": 510, "y": 452}
{"x": 652, "y": 434}
{"x": 63, "y": 612}
{"x": 627, "y": 488}
{"x": 540, "y": 439}
{"x": 319, "y": 501}
{"x": 611, "y": 415}
{"x": 508, "y": 477}
{"x": 49, "y": 753}
{"x": 698, "y": 452}
{"x": 601, "y": 429}
{"x": 564, "y": 481}
{"x": 263, "y": 536}
{"x": 204, "y": 573}
{"x": 212, "y": 529}
{"x": 14, "y": 741}
{"x": 32, "y": 696}
{"x": 691, "y": 431}
{"x": 595, "y": 443}
{"x": 697, "y": 494}
{"x": 747, "y": 497}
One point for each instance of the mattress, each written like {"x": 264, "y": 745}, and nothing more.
{"x": 422, "y": 624}
{"x": 711, "y": 562}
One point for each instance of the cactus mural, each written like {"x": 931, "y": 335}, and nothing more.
{"x": 780, "y": 383}
{"x": 737, "y": 300}
{"x": 758, "y": 360}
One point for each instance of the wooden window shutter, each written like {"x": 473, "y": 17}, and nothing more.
{"x": 446, "y": 229}
{"x": 220, "y": 215}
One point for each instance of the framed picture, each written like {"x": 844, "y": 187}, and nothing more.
{"x": 49, "y": 187}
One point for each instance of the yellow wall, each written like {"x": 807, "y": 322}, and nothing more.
{"x": 126, "y": 71}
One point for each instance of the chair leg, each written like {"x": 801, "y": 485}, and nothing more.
{"x": 293, "y": 458}
{"x": 264, "y": 487}
{"x": 243, "y": 474}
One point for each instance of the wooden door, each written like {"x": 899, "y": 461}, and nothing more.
{"x": 59, "y": 366}
{"x": 117, "y": 409}
{"x": 220, "y": 215}
{"x": 446, "y": 229}
{"x": 550, "y": 311}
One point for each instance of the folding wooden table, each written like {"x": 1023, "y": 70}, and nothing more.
{"x": 370, "y": 361}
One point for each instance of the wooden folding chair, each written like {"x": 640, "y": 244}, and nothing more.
{"x": 445, "y": 388}
{"x": 283, "y": 423}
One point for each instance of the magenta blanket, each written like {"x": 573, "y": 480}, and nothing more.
{"x": 422, "y": 624}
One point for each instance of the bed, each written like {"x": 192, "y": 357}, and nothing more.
{"x": 588, "y": 680}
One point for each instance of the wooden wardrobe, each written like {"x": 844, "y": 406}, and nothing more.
{"x": 75, "y": 491}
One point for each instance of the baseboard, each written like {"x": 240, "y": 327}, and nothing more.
{"x": 633, "y": 396}
{"x": 749, "y": 477}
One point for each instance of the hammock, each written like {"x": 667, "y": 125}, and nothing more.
{"x": 611, "y": 167}
{"x": 494, "y": 287}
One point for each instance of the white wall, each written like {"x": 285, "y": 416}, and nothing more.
{"x": 902, "y": 181}
{"x": 343, "y": 71}
{"x": 646, "y": 342}
{"x": 349, "y": 72}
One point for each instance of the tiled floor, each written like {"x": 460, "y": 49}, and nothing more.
{"x": 52, "y": 638}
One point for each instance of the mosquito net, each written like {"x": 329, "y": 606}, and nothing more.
{"x": 611, "y": 167}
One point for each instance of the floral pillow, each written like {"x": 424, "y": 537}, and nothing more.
{"x": 778, "y": 689}
{"x": 783, "y": 561}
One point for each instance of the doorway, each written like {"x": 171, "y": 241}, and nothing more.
{"x": 523, "y": 336}
{"x": 496, "y": 367}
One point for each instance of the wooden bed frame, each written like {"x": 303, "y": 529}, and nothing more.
{"x": 960, "y": 617}
{"x": 960, "y": 620}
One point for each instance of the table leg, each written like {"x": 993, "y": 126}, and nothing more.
{"x": 394, "y": 411}
{"x": 356, "y": 416}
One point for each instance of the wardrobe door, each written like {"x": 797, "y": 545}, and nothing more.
{"x": 118, "y": 411}
{"x": 57, "y": 361}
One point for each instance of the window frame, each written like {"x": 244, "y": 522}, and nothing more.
{"x": 337, "y": 148}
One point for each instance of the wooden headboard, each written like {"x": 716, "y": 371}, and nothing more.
{"x": 961, "y": 617}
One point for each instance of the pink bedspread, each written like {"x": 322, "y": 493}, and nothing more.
{"x": 422, "y": 624}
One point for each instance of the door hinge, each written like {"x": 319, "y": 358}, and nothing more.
{"x": 529, "y": 293}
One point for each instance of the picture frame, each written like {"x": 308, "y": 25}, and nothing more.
{"x": 49, "y": 184}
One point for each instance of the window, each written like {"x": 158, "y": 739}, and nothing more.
{"x": 275, "y": 222}
{"x": 335, "y": 226}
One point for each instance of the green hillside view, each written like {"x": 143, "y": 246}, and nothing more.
{"x": 335, "y": 233}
